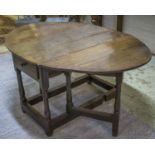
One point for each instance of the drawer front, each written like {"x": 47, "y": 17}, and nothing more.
{"x": 26, "y": 67}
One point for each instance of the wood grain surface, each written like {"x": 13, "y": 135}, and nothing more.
{"x": 78, "y": 47}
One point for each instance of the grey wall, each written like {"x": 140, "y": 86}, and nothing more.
{"x": 142, "y": 27}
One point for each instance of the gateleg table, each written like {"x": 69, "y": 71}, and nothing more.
{"x": 46, "y": 50}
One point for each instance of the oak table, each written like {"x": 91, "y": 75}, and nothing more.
{"x": 48, "y": 49}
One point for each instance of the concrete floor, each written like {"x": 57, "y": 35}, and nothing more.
{"x": 137, "y": 111}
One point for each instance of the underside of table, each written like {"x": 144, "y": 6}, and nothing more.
{"x": 85, "y": 109}
{"x": 49, "y": 124}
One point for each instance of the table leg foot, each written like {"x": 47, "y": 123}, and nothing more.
{"x": 49, "y": 130}
{"x": 115, "y": 128}
{"x": 49, "y": 133}
{"x": 23, "y": 110}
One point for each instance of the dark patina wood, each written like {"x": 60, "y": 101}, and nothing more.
{"x": 94, "y": 114}
{"x": 23, "y": 99}
{"x": 69, "y": 103}
{"x": 28, "y": 68}
{"x": 119, "y": 79}
{"x": 46, "y": 50}
{"x": 58, "y": 90}
{"x": 44, "y": 85}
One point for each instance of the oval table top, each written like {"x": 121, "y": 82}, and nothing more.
{"x": 77, "y": 47}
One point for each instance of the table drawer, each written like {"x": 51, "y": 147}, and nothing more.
{"x": 26, "y": 67}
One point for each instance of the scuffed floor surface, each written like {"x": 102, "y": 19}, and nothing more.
{"x": 137, "y": 111}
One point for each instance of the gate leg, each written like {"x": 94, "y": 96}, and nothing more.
{"x": 115, "y": 123}
{"x": 69, "y": 103}
{"x": 44, "y": 85}
{"x": 21, "y": 88}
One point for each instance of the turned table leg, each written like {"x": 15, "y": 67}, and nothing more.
{"x": 115, "y": 123}
{"x": 44, "y": 85}
{"x": 21, "y": 88}
{"x": 69, "y": 103}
